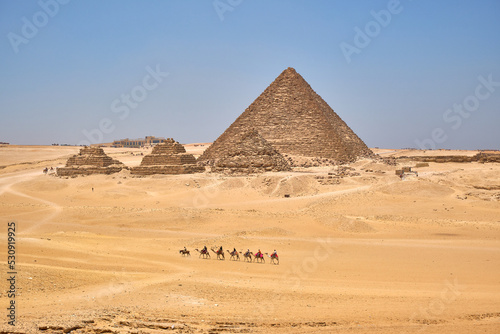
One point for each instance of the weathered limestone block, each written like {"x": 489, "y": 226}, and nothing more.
{"x": 159, "y": 159}
{"x": 180, "y": 169}
{"x": 487, "y": 157}
{"x": 85, "y": 170}
{"x": 480, "y": 157}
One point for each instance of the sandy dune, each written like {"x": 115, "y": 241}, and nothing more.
{"x": 364, "y": 254}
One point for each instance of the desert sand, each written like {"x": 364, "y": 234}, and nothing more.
{"x": 366, "y": 253}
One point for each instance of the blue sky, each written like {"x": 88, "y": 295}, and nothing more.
{"x": 399, "y": 73}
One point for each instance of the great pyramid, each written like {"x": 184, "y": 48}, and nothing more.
{"x": 295, "y": 121}
{"x": 90, "y": 160}
{"x": 169, "y": 157}
{"x": 251, "y": 154}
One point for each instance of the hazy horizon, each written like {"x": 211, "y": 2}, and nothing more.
{"x": 401, "y": 74}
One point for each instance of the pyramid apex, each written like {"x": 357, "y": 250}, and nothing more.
{"x": 289, "y": 74}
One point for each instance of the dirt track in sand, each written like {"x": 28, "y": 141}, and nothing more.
{"x": 370, "y": 254}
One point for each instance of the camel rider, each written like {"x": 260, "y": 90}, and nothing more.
{"x": 204, "y": 250}
{"x": 274, "y": 253}
{"x": 248, "y": 251}
{"x": 259, "y": 254}
{"x": 185, "y": 250}
{"x": 234, "y": 250}
{"x": 220, "y": 250}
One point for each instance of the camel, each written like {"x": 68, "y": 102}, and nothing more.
{"x": 234, "y": 254}
{"x": 184, "y": 252}
{"x": 203, "y": 253}
{"x": 220, "y": 253}
{"x": 259, "y": 258}
{"x": 274, "y": 258}
{"x": 248, "y": 256}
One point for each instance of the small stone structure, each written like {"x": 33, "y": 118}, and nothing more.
{"x": 147, "y": 141}
{"x": 250, "y": 154}
{"x": 169, "y": 157}
{"x": 90, "y": 160}
{"x": 480, "y": 157}
{"x": 487, "y": 157}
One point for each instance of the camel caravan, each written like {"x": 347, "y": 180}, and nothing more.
{"x": 234, "y": 255}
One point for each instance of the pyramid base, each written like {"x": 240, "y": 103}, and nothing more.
{"x": 250, "y": 165}
{"x": 244, "y": 171}
{"x": 168, "y": 169}
{"x": 75, "y": 171}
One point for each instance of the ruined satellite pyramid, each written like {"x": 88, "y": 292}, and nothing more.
{"x": 251, "y": 154}
{"x": 169, "y": 157}
{"x": 295, "y": 121}
{"x": 90, "y": 160}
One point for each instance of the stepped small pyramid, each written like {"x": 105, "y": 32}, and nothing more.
{"x": 90, "y": 160}
{"x": 295, "y": 121}
{"x": 251, "y": 154}
{"x": 169, "y": 157}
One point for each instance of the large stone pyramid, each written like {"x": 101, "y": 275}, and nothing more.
{"x": 90, "y": 160}
{"x": 294, "y": 120}
{"x": 169, "y": 157}
{"x": 251, "y": 154}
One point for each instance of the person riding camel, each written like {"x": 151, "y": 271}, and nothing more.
{"x": 274, "y": 253}
{"x": 259, "y": 254}
{"x": 220, "y": 250}
{"x": 234, "y": 250}
{"x": 204, "y": 250}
